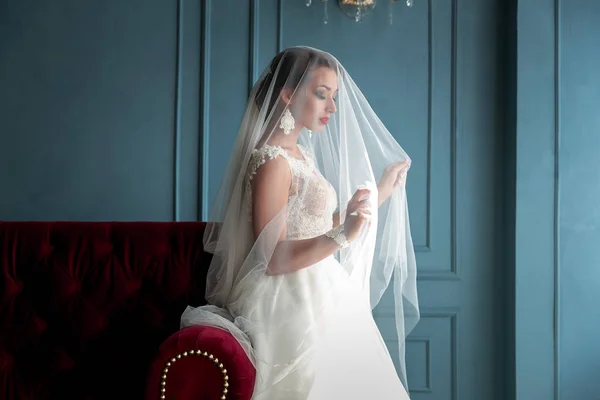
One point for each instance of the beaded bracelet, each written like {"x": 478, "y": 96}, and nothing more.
{"x": 338, "y": 236}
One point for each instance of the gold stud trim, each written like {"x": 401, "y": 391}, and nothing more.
{"x": 215, "y": 360}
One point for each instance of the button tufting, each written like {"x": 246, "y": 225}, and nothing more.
{"x": 46, "y": 249}
{"x": 6, "y": 361}
{"x": 83, "y": 303}
{"x": 12, "y": 288}
{"x": 102, "y": 248}
{"x": 38, "y": 325}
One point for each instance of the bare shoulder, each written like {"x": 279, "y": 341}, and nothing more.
{"x": 270, "y": 184}
{"x": 269, "y": 163}
{"x": 272, "y": 173}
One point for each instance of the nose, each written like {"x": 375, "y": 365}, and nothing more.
{"x": 331, "y": 107}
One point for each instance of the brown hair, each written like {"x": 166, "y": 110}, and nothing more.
{"x": 291, "y": 66}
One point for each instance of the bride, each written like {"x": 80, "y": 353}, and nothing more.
{"x": 308, "y": 228}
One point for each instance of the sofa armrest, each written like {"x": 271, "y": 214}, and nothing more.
{"x": 201, "y": 362}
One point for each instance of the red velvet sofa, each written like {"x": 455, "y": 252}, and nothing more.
{"x": 90, "y": 310}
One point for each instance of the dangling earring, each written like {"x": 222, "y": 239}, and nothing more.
{"x": 287, "y": 122}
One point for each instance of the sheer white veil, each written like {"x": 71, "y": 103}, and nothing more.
{"x": 352, "y": 150}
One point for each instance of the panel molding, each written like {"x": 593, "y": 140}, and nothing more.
{"x": 279, "y": 26}
{"x": 427, "y": 246}
{"x": 450, "y": 313}
{"x": 451, "y": 274}
{"x": 427, "y": 341}
{"x": 177, "y": 127}
{"x": 557, "y": 184}
{"x": 204, "y": 112}
{"x": 453, "y": 145}
{"x": 434, "y": 275}
{"x": 254, "y": 43}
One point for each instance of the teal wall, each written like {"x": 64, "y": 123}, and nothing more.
{"x": 99, "y": 110}
{"x": 557, "y": 250}
{"x": 535, "y": 201}
{"x": 127, "y": 111}
{"x": 578, "y": 199}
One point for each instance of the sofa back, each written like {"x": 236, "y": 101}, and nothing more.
{"x": 85, "y": 305}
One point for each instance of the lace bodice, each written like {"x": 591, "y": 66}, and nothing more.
{"x": 311, "y": 198}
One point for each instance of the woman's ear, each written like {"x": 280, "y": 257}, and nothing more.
{"x": 286, "y": 95}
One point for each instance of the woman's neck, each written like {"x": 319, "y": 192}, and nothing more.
{"x": 279, "y": 138}
{"x": 275, "y": 136}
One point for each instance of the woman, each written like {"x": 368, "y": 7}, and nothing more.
{"x": 309, "y": 225}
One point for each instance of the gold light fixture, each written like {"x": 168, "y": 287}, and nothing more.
{"x": 356, "y": 9}
{"x": 357, "y": 2}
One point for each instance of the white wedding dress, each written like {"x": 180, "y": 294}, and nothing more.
{"x": 343, "y": 355}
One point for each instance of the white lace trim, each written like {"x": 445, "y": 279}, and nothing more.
{"x": 310, "y": 216}
{"x": 258, "y": 158}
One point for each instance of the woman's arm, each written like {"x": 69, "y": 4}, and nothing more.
{"x": 393, "y": 176}
{"x": 293, "y": 255}
{"x": 270, "y": 187}
{"x": 336, "y": 219}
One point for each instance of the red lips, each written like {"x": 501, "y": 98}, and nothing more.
{"x": 324, "y": 121}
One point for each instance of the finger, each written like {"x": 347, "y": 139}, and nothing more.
{"x": 365, "y": 210}
{"x": 360, "y": 193}
{"x": 363, "y": 191}
{"x": 364, "y": 204}
{"x": 356, "y": 205}
{"x": 403, "y": 167}
{"x": 365, "y": 215}
{"x": 392, "y": 167}
{"x": 400, "y": 181}
{"x": 400, "y": 165}
{"x": 401, "y": 175}
{"x": 363, "y": 222}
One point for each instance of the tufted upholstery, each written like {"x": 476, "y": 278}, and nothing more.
{"x": 91, "y": 310}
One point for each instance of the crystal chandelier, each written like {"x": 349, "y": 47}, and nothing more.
{"x": 356, "y": 9}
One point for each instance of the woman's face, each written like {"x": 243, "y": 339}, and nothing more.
{"x": 317, "y": 101}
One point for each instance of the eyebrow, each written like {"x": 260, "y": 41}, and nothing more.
{"x": 326, "y": 87}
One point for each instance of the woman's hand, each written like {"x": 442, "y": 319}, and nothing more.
{"x": 353, "y": 225}
{"x": 394, "y": 175}
{"x": 358, "y": 214}
{"x": 360, "y": 199}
